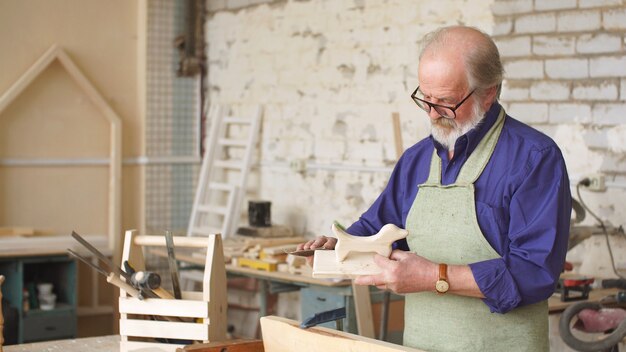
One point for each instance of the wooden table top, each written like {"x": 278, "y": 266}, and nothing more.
{"x": 110, "y": 343}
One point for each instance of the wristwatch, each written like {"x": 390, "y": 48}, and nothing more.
{"x": 442, "y": 285}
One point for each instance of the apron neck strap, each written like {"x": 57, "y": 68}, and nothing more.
{"x": 476, "y": 162}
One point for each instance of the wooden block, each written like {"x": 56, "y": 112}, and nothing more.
{"x": 326, "y": 266}
{"x": 256, "y": 264}
{"x": 284, "y": 335}
{"x": 237, "y": 345}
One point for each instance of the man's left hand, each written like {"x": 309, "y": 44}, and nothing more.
{"x": 402, "y": 272}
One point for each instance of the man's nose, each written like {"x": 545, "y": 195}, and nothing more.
{"x": 433, "y": 114}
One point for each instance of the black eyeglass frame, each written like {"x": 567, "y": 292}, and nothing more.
{"x": 434, "y": 106}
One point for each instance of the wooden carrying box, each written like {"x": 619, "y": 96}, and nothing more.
{"x": 204, "y": 312}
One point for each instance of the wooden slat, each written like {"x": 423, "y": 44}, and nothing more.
{"x": 238, "y": 120}
{"x": 232, "y": 142}
{"x": 179, "y": 241}
{"x": 164, "y": 329}
{"x": 221, "y": 186}
{"x": 228, "y": 164}
{"x": 213, "y": 209}
{"x": 155, "y": 306}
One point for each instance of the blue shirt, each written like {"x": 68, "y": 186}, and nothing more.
{"x": 523, "y": 205}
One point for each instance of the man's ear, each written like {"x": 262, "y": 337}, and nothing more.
{"x": 490, "y": 97}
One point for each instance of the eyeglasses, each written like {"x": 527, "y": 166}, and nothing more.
{"x": 445, "y": 111}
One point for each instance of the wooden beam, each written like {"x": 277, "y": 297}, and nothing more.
{"x": 363, "y": 309}
{"x": 397, "y": 134}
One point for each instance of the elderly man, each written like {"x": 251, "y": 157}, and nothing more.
{"x": 487, "y": 205}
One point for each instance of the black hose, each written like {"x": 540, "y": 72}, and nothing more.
{"x": 609, "y": 341}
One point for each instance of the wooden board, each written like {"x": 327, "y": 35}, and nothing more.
{"x": 280, "y": 334}
{"x": 325, "y": 265}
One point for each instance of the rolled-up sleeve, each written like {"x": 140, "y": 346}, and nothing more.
{"x": 538, "y": 231}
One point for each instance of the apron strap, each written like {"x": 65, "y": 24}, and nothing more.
{"x": 475, "y": 164}
{"x": 477, "y": 161}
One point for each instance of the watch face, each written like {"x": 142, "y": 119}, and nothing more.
{"x": 442, "y": 286}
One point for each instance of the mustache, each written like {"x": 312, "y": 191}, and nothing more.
{"x": 444, "y": 122}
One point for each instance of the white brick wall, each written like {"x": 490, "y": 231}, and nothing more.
{"x": 524, "y": 69}
{"x": 608, "y": 66}
{"x": 516, "y": 46}
{"x": 567, "y": 68}
{"x": 614, "y": 19}
{"x": 509, "y": 7}
{"x": 598, "y": 43}
{"x": 529, "y": 112}
{"x": 535, "y": 23}
{"x": 554, "y": 45}
{"x": 549, "y": 90}
{"x": 598, "y": 3}
{"x": 555, "y": 4}
{"x": 609, "y": 114}
{"x": 578, "y": 21}
{"x": 595, "y": 91}
{"x": 569, "y": 113}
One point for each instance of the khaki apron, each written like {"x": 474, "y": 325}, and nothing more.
{"x": 443, "y": 228}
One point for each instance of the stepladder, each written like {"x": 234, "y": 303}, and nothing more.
{"x": 229, "y": 147}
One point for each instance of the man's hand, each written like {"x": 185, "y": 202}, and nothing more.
{"x": 320, "y": 242}
{"x": 402, "y": 272}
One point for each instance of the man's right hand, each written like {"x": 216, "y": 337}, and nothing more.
{"x": 320, "y": 242}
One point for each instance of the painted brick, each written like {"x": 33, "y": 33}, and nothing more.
{"x": 237, "y": 4}
{"x": 542, "y": 5}
{"x": 216, "y": 5}
{"x": 529, "y": 112}
{"x": 614, "y": 19}
{"x": 622, "y": 91}
{"x": 596, "y": 138}
{"x": 616, "y": 137}
{"x": 609, "y": 114}
{"x": 503, "y": 27}
{"x": 524, "y": 69}
{"x": 598, "y": 3}
{"x": 567, "y": 68}
{"x": 607, "y": 66}
{"x": 515, "y": 46}
{"x": 554, "y": 45}
{"x": 569, "y": 113}
{"x": 547, "y": 90}
{"x": 535, "y": 23}
{"x": 598, "y": 43}
{"x": 511, "y": 7}
{"x": 597, "y": 91}
{"x": 514, "y": 92}
{"x": 579, "y": 21}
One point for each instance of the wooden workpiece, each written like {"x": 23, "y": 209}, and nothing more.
{"x": 284, "y": 335}
{"x": 354, "y": 255}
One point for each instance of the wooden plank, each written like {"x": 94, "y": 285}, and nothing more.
{"x": 397, "y": 134}
{"x": 153, "y": 306}
{"x": 325, "y": 265}
{"x": 17, "y": 231}
{"x": 363, "y": 309}
{"x": 164, "y": 329}
{"x": 179, "y": 241}
{"x": 284, "y": 335}
{"x": 237, "y": 345}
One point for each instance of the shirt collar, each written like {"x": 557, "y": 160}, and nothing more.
{"x": 468, "y": 142}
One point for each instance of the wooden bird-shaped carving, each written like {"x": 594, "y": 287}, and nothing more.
{"x": 379, "y": 243}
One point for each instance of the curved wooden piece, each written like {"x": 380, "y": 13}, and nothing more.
{"x": 379, "y": 243}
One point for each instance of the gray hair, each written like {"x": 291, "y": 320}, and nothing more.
{"x": 482, "y": 61}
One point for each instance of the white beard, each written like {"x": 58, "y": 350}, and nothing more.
{"x": 447, "y": 131}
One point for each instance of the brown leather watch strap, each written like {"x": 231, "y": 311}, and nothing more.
{"x": 443, "y": 271}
